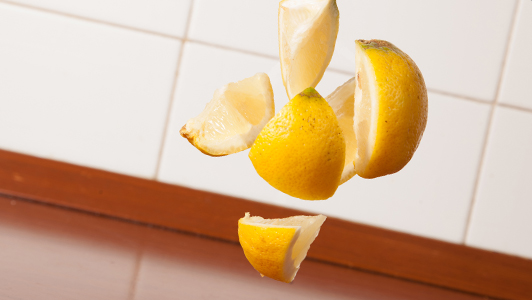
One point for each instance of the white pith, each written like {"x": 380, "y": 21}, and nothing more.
{"x": 365, "y": 138}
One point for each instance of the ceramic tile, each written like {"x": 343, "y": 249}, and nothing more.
{"x": 204, "y": 70}
{"x": 436, "y": 45}
{"x": 222, "y": 23}
{"x": 515, "y": 87}
{"x": 161, "y": 16}
{"x": 83, "y": 93}
{"x": 431, "y": 196}
{"x": 54, "y": 254}
{"x": 501, "y": 216}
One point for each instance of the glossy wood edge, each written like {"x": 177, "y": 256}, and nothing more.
{"x": 340, "y": 242}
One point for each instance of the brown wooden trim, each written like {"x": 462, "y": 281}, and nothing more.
{"x": 340, "y": 242}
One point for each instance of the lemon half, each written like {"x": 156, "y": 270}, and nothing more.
{"x": 301, "y": 151}
{"x": 391, "y": 108}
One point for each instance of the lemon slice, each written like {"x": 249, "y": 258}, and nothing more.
{"x": 391, "y": 108}
{"x": 342, "y": 101}
{"x": 276, "y": 247}
{"x": 301, "y": 150}
{"x": 234, "y": 117}
{"x": 307, "y": 35}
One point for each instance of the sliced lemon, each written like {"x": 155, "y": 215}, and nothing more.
{"x": 233, "y": 118}
{"x": 391, "y": 108}
{"x": 301, "y": 151}
{"x": 307, "y": 35}
{"x": 342, "y": 101}
{"x": 276, "y": 247}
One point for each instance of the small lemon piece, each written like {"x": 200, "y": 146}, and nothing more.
{"x": 233, "y": 118}
{"x": 391, "y": 108}
{"x": 301, "y": 151}
{"x": 307, "y": 35}
{"x": 276, "y": 247}
{"x": 342, "y": 101}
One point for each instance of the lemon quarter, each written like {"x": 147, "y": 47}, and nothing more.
{"x": 342, "y": 101}
{"x": 233, "y": 118}
{"x": 391, "y": 108}
{"x": 276, "y": 247}
{"x": 307, "y": 36}
{"x": 301, "y": 151}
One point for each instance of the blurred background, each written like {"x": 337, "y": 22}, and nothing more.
{"x": 108, "y": 84}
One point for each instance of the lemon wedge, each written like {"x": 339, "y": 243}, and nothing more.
{"x": 391, "y": 108}
{"x": 301, "y": 151}
{"x": 276, "y": 247}
{"x": 307, "y": 36}
{"x": 342, "y": 101}
{"x": 233, "y": 118}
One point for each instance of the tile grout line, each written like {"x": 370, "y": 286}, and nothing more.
{"x": 172, "y": 93}
{"x": 214, "y": 45}
{"x": 86, "y": 19}
{"x": 515, "y": 107}
{"x": 494, "y": 104}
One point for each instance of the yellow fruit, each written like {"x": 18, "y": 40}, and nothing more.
{"x": 276, "y": 247}
{"x": 307, "y": 35}
{"x": 342, "y": 101}
{"x": 233, "y": 118}
{"x": 301, "y": 150}
{"x": 390, "y": 108}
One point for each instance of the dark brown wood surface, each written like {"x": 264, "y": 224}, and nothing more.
{"x": 54, "y": 253}
{"x": 340, "y": 242}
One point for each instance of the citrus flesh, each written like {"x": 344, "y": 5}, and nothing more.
{"x": 307, "y": 36}
{"x": 391, "y": 108}
{"x": 342, "y": 101}
{"x": 233, "y": 118}
{"x": 276, "y": 247}
{"x": 301, "y": 151}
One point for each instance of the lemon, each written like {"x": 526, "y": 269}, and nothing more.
{"x": 233, "y": 118}
{"x": 307, "y": 35}
{"x": 342, "y": 101}
{"x": 301, "y": 150}
{"x": 390, "y": 108}
{"x": 276, "y": 247}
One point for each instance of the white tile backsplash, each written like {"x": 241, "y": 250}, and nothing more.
{"x": 90, "y": 82}
{"x": 501, "y": 216}
{"x": 515, "y": 89}
{"x": 162, "y": 16}
{"x": 222, "y": 23}
{"x": 83, "y": 92}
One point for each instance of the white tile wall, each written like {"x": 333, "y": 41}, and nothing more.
{"x": 501, "y": 219}
{"x": 83, "y": 92}
{"x": 516, "y": 88}
{"x": 92, "y": 82}
{"x": 159, "y": 16}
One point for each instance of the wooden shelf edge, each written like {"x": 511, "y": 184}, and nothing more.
{"x": 340, "y": 242}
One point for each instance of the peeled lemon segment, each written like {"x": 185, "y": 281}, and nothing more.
{"x": 307, "y": 36}
{"x": 391, "y": 108}
{"x": 301, "y": 151}
{"x": 233, "y": 118}
{"x": 342, "y": 101}
{"x": 276, "y": 247}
